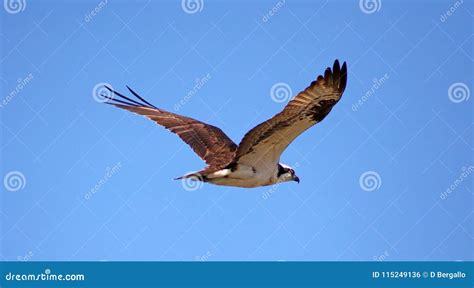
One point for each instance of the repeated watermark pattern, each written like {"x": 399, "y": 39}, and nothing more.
{"x": 458, "y": 92}
{"x": 25, "y": 258}
{"x": 274, "y": 11}
{"x": 370, "y": 6}
{"x": 14, "y": 6}
{"x": 89, "y": 16}
{"x": 465, "y": 172}
{"x": 109, "y": 173}
{"x": 204, "y": 257}
{"x": 281, "y": 92}
{"x": 192, "y": 6}
{"x": 274, "y": 188}
{"x": 21, "y": 84}
{"x": 381, "y": 257}
{"x": 377, "y": 83}
{"x": 14, "y": 181}
{"x": 268, "y": 193}
{"x": 199, "y": 84}
{"x": 192, "y": 183}
{"x": 370, "y": 181}
{"x": 443, "y": 17}
{"x": 100, "y": 91}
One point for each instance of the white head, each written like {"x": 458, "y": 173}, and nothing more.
{"x": 286, "y": 173}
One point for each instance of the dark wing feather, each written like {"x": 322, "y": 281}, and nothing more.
{"x": 264, "y": 144}
{"x": 209, "y": 142}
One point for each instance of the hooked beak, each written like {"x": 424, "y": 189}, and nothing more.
{"x": 296, "y": 179}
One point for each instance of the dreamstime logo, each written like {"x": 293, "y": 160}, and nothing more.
{"x": 14, "y": 181}
{"x": 370, "y": 6}
{"x": 14, "y": 6}
{"x": 370, "y": 181}
{"x": 192, "y": 183}
{"x": 280, "y": 92}
{"x": 100, "y": 90}
{"x": 458, "y": 92}
{"x": 192, "y": 6}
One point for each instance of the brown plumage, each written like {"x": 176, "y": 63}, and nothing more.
{"x": 303, "y": 111}
{"x": 262, "y": 146}
{"x": 207, "y": 141}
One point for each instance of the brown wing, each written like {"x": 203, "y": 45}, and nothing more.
{"x": 263, "y": 145}
{"x": 209, "y": 142}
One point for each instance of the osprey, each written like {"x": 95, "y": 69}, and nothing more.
{"x": 256, "y": 160}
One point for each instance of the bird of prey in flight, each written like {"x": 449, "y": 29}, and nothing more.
{"x": 256, "y": 160}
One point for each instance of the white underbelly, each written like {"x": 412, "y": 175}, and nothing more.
{"x": 243, "y": 176}
{"x": 236, "y": 182}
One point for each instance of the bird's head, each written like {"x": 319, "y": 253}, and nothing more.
{"x": 286, "y": 173}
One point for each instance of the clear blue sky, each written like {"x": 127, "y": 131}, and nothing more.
{"x": 86, "y": 181}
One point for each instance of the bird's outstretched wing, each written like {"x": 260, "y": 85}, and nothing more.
{"x": 209, "y": 142}
{"x": 263, "y": 145}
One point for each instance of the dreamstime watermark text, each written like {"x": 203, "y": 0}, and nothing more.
{"x": 450, "y": 12}
{"x": 21, "y": 84}
{"x": 465, "y": 173}
{"x": 109, "y": 173}
{"x": 199, "y": 84}
{"x": 89, "y": 16}
{"x": 274, "y": 11}
{"x": 274, "y": 188}
{"x": 377, "y": 83}
{"x": 47, "y": 275}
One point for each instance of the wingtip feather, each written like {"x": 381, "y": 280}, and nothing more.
{"x": 343, "y": 77}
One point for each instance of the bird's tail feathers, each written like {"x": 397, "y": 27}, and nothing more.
{"x": 193, "y": 176}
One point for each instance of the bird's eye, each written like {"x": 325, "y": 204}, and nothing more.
{"x": 292, "y": 171}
